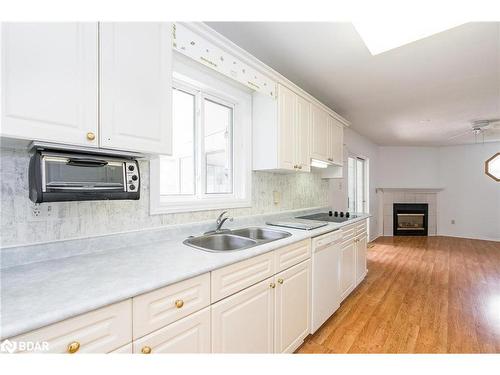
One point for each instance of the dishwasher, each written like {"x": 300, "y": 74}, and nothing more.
{"x": 325, "y": 274}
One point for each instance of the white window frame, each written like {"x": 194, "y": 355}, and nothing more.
{"x": 192, "y": 77}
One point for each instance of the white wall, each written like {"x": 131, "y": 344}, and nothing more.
{"x": 409, "y": 167}
{"x": 469, "y": 197}
{"x": 362, "y": 146}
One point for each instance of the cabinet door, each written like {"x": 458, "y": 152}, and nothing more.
{"x": 136, "y": 86}
{"x": 244, "y": 322}
{"x": 49, "y": 82}
{"x": 347, "y": 269}
{"x": 287, "y": 108}
{"x": 361, "y": 248}
{"x": 188, "y": 335}
{"x": 336, "y": 140}
{"x": 319, "y": 134}
{"x": 303, "y": 157}
{"x": 293, "y": 306}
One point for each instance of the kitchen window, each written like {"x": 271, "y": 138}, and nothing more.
{"x": 210, "y": 163}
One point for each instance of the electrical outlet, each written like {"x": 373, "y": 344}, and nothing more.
{"x": 276, "y": 197}
{"x": 41, "y": 212}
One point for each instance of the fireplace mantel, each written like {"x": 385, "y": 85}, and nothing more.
{"x": 412, "y": 190}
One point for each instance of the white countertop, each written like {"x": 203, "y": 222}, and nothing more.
{"x": 38, "y": 294}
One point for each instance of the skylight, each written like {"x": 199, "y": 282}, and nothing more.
{"x": 383, "y": 36}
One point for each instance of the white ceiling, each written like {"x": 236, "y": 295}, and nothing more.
{"x": 419, "y": 94}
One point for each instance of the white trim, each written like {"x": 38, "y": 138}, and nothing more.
{"x": 226, "y": 45}
{"x": 212, "y": 86}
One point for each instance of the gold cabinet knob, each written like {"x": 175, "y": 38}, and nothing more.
{"x": 294, "y": 167}
{"x": 73, "y": 347}
{"x": 272, "y": 285}
{"x": 280, "y": 281}
{"x": 179, "y": 303}
{"x": 90, "y": 136}
{"x": 146, "y": 350}
{"x": 300, "y": 166}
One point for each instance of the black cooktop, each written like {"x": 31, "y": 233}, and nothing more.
{"x": 329, "y": 216}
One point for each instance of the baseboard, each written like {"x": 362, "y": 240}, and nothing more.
{"x": 469, "y": 237}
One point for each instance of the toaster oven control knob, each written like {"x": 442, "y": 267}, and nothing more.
{"x": 131, "y": 187}
{"x": 134, "y": 177}
{"x": 131, "y": 168}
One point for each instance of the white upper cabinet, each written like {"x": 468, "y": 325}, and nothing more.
{"x": 320, "y": 134}
{"x": 281, "y": 132}
{"x": 54, "y": 74}
{"x": 287, "y": 112}
{"x": 336, "y": 140}
{"x": 302, "y": 132}
{"x": 135, "y": 84}
{"x": 49, "y": 82}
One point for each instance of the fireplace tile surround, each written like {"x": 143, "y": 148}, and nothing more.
{"x": 391, "y": 196}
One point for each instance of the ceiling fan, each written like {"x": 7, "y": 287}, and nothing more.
{"x": 479, "y": 128}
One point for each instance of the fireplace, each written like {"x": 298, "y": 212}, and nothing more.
{"x": 410, "y": 219}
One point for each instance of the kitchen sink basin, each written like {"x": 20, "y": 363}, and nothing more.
{"x": 238, "y": 239}
{"x": 261, "y": 234}
{"x": 220, "y": 242}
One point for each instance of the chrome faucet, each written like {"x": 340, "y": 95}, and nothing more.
{"x": 220, "y": 222}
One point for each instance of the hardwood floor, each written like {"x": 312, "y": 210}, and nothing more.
{"x": 421, "y": 295}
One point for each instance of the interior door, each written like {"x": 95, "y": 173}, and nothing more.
{"x": 302, "y": 143}
{"x": 293, "y": 302}
{"x": 287, "y": 107}
{"x": 49, "y": 82}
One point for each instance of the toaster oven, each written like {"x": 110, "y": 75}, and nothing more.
{"x": 64, "y": 176}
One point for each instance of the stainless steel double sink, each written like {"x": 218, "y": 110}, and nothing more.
{"x": 237, "y": 239}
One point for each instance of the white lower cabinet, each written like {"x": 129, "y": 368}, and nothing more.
{"x": 293, "y": 307}
{"x": 347, "y": 269}
{"x": 270, "y": 317}
{"x": 244, "y": 322}
{"x": 188, "y": 335}
{"x": 361, "y": 248}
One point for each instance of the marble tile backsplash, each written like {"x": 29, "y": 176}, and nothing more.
{"x": 82, "y": 219}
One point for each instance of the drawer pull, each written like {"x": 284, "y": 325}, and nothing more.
{"x": 280, "y": 281}
{"x": 272, "y": 285}
{"x": 73, "y": 347}
{"x": 146, "y": 350}
{"x": 179, "y": 303}
{"x": 90, "y": 136}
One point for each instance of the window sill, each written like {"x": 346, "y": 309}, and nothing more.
{"x": 171, "y": 207}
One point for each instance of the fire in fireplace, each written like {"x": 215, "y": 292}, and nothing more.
{"x": 410, "y": 219}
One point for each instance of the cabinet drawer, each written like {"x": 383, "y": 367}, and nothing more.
{"x": 291, "y": 255}
{"x": 238, "y": 276}
{"x": 348, "y": 232}
{"x": 99, "y": 331}
{"x": 126, "y": 349}
{"x": 188, "y": 335}
{"x": 361, "y": 226}
{"x": 326, "y": 239}
{"x": 161, "y": 307}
